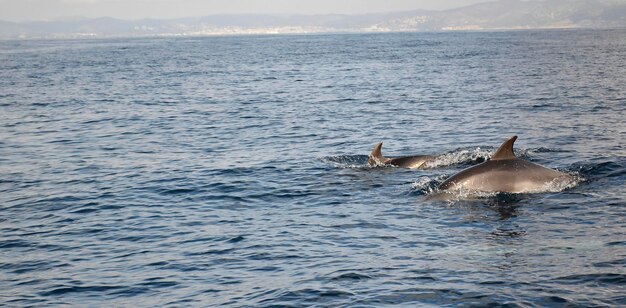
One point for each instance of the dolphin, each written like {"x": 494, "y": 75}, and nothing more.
{"x": 505, "y": 173}
{"x": 411, "y": 162}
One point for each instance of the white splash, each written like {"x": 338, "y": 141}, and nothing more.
{"x": 459, "y": 157}
{"x": 427, "y": 185}
{"x": 559, "y": 184}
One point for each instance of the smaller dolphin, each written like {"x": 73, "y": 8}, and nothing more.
{"x": 411, "y": 162}
{"x": 505, "y": 173}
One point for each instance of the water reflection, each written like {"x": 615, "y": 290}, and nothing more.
{"x": 505, "y": 205}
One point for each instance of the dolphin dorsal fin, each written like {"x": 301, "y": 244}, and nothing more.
{"x": 376, "y": 157}
{"x": 506, "y": 150}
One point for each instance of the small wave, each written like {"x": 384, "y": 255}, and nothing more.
{"x": 461, "y": 195}
{"x": 306, "y": 297}
{"x": 236, "y": 239}
{"x": 545, "y": 150}
{"x": 600, "y": 169}
{"x": 607, "y": 279}
{"x": 346, "y": 161}
{"x": 62, "y": 290}
{"x": 351, "y": 276}
{"x": 178, "y": 191}
{"x": 426, "y": 185}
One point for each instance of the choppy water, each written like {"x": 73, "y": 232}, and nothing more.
{"x": 232, "y": 170}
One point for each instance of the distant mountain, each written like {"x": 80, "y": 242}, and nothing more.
{"x": 503, "y": 14}
{"x": 516, "y": 14}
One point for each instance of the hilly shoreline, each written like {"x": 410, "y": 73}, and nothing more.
{"x": 498, "y": 15}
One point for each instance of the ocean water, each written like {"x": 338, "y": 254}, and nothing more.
{"x": 232, "y": 171}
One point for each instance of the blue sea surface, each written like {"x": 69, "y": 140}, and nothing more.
{"x": 232, "y": 171}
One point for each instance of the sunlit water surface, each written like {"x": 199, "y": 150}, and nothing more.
{"x": 233, "y": 170}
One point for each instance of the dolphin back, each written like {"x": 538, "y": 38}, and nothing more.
{"x": 505, "y": 173}
{"x": 413, "y": 162}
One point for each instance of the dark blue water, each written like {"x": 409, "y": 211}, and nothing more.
{"x": 232, "y": 170}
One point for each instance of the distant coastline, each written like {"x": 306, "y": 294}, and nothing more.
{"x": 500, "y": 15}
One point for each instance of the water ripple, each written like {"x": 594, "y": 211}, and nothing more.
{"x": 232, "y": 171}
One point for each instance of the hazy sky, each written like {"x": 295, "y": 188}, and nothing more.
{"x": 28, "y": 10}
